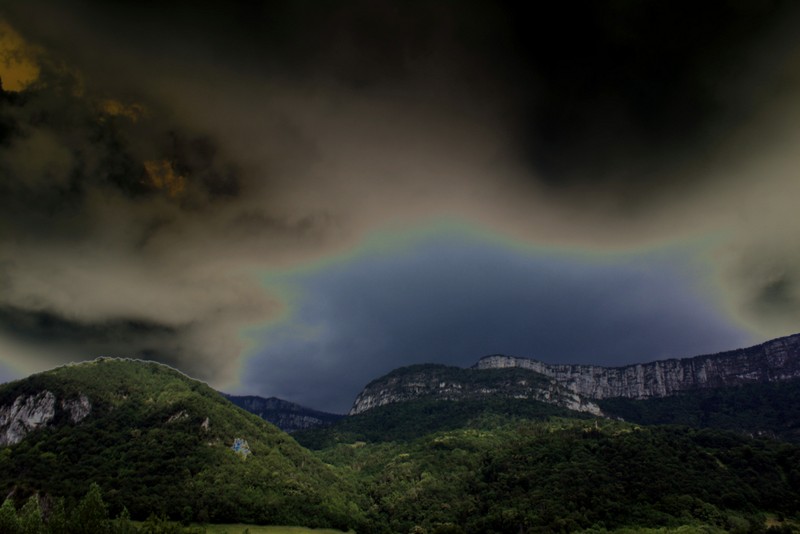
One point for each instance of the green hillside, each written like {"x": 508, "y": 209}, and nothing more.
{"x": 566, "y": 475}
{"x": 159, "y": 442}
{"x": 769, "y": 409}
{"x": 410, "y": 420}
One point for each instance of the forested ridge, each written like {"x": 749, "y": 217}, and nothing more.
{"x": 511, "y": 474}
{"x": 760, "y": 409}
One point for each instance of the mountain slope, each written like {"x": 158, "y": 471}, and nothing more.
{"x": 567, "y": 475}
{"x": 158, "y": 441}
{"x": 287, "y": 416}
{"x": 763, "y": 409}
{"x": 406, "y": 421}
{"x": 752, "y": 391}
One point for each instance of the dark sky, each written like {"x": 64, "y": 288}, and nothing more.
{"x": 291, "y": 198}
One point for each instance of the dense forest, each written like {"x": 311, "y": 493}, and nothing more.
{"x": 502, "y": 474}
{"x": 760, "y": 409}
{"x": 89, "y": 516}
{"x": 555, "y": 475}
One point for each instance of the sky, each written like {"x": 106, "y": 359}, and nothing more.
{"x": 292, "y": 198}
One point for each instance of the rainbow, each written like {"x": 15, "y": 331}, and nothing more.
{"x": 692, "y": 257}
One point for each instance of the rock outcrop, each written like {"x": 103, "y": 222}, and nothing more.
{"x": 78, "y": 408}
{"x": 30, "y": 412}
{"x": 775, "y": 360}
{"x": 453, "y": 383}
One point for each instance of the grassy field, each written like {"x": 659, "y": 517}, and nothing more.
{"x": 256, "y": 529}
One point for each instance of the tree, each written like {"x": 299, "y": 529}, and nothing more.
{"x": 57, "y": 522}
{"x": 91, "y": 514}
{"x": 30, "y": 517}
{"x": 123, "y": 523}
{"x": 9, "y": 523}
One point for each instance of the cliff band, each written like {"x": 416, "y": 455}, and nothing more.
{"x": 778, "y": 359}
{"x": 576, "y": 386}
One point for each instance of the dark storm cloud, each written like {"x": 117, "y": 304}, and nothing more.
{"x": 54, "y": 340}
{"x": 89, "y": 188}
{"x": 618, "y": 99}
{"x": 41, "y": 325}
{"x": 773, "y": 291}
{"x": 453, "y": 300}
{"x": 171, "y": 151}
{"x": 66, "y": 339}
{"x": 630, "y": 92}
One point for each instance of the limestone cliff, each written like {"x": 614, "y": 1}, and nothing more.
{"x": 453, "y": 383}
{"x": 575, "y": 386}
{"x": 775, "y": 360}
{"x": 31, "y": 412}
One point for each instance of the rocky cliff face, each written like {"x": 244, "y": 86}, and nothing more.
{"x": 31, "y": 412}
{"x": 774, "y": 360}
{"x": 453, "y": 383}
{"x": 575, "y": 386}
{"x": 287, "y": 416}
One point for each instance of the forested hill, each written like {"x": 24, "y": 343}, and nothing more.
{"x": 440, "y": 466}
{"x": 761, "y": 409}
{"x": 157, "y": 441}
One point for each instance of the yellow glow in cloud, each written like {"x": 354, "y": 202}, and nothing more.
{"x": 115, "y": 108}
{"x": 163, "y": 176}
{"x": 18, "y": 67}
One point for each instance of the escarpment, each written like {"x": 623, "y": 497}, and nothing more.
{"x": 775, "y": 360}
{"x": 576, "y": 386}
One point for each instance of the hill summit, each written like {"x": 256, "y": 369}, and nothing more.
{"x": 157, "y": 441}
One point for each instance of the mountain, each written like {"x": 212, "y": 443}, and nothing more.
{"x": 580, "y": 387}
{"x": 454, "y": 451}
{"x": 501, "y": 448}
{"x": 157, "y": 441}
{"x": 454, "y": 383}
{"x": 773, "y": 361}
{"x": 287, "y": 416}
